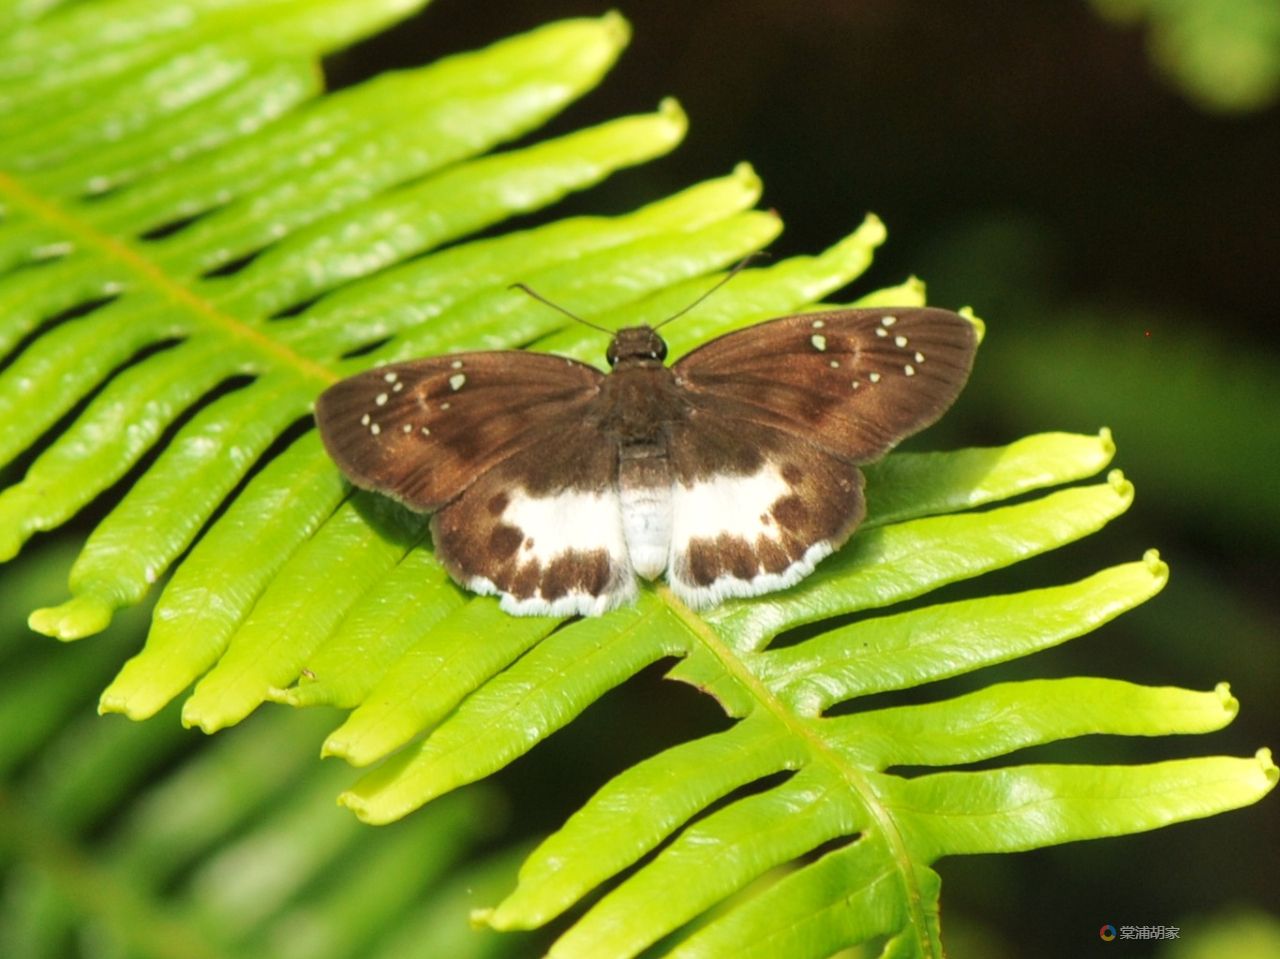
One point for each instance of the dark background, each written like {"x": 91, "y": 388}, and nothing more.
{"x": 1118, "y": 238}
{"x": 942, "y": 117}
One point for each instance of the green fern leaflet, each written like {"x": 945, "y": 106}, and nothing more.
{"x": 196, "y": 239}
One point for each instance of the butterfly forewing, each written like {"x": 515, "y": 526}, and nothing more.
{"x": 423, "y": 431}
{"x": 766, "y": 482}
{"x": 855, "y": 382}
{"x": 502, "y": 447}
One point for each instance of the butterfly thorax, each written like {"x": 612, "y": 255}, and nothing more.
{"x": 639, "y": 400}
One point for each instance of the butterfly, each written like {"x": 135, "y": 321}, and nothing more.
{"x": 734, "y": 471}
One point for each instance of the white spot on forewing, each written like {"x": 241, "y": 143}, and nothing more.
{"x": 375, "y": 429}
{"x": 364, "y": 420}
{"x": 919, "y": 357}
{"x": 381, "y": 399}
{"x": 874, "y": 377}
{"x": 819, "y": 342}
{"x": 888, "y": 320}
{"x": 456, "y": 364}
{"x": 389, "y": 377}
{"x": 457, "y": 380}
{"x": 900, "y": 341}
{"x": 881, "y": 331}
{"x": 909, "y": 370}
{"x": 818, "y": 324}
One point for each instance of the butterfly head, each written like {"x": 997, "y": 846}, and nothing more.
{"x": 636, "y": 343}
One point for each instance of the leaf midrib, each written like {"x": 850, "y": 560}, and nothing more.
{"x": 117, "y": 251}
{"x": 850, "y": 773}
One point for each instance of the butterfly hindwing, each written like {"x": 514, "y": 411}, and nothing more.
{"x": 423, "y": 431}
{"x": 757, "y": 521}
{"x": 551, "y": 547}
{"x": 854, "y": 382}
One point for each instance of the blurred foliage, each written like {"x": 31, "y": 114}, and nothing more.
{"x": 1240, "y": 935}
{"x": 1224, "y": 54}
{"x": 147, "y": 841}
{"x": 1171, "y": 385}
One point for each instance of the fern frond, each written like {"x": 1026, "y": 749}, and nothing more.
{"x": 185, "y": 273}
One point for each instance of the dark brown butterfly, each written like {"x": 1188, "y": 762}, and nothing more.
{"x": 734, "y": 471}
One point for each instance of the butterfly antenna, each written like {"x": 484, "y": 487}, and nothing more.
{"x": 556, "y": 306}
{"x": 737, "y": 268}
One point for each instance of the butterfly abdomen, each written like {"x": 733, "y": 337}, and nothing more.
{"x": 644, "y": 491}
